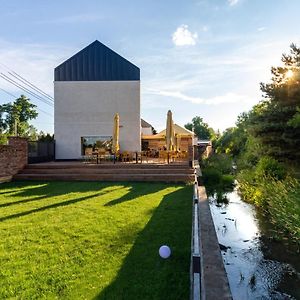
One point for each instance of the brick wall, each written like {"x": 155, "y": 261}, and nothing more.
{"x": 13, "y": 157}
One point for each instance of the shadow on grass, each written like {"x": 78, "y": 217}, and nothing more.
{"x": 53, "y": 189}
{"x": 136, "y": 191}
{"x": 9, "y": 192}
{"x": 55, "y": 205}
{"x": 43, "y": 190}
{"x": 144, "y": 275}
{"x": 21, "y": 201}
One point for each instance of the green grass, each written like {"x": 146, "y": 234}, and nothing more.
{"x": 89, "y": 240}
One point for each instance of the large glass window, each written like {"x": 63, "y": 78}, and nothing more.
{"x": 91, "y": 144}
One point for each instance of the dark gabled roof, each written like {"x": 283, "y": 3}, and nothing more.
{"x": 96, "y": 62}
{"x": 145, "y": 124}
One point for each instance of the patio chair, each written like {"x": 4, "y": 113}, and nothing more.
{"x": 124, "y": 156}
{"x": 163, "y": 156}
{"x": 88, "y": 156}
{"x": 173, "y": 155}
{"x": 145, "y": 156}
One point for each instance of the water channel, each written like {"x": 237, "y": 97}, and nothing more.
{"x": 258, "y": 266}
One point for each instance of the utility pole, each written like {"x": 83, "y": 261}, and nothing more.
{"x": 16, "y": 129}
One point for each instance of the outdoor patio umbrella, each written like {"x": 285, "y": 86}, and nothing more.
{"x": 115, "y": 138}
{"x": 170, "y": 136}
{"x": 178, "y": 141}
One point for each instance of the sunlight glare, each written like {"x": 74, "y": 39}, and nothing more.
{"x": 289, "y": 74}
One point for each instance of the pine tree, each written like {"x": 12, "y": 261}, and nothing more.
{"x": 274, "y": 120}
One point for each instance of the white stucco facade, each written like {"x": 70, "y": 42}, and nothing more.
{"x": 87, "y": 108}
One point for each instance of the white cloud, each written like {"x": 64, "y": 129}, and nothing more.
{"x": 261, "y": 28}
{"x": 205, "y": 28}
{"x": 226, "y": 98}
{"x": 182, "y": 36}
{"x": 233, "y": 2}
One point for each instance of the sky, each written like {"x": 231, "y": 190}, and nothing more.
{"x": 197, "y": 57}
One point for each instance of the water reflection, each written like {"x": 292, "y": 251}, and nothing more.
{"x": 253, "y": 271}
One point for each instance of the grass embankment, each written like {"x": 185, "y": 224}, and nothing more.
{"x": 88, "y": 240}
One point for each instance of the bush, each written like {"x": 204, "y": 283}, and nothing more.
{"x": 216, "y": 183}
{"x": 211, "y": 177}
{"x": 3, "y": 139}
{"x": 221, "y": 162}
{"x": 248, "y": 187}
{"x": 227, "y": 182}
{"x": 216, "y": 175}
{"x": 270, "y": 167}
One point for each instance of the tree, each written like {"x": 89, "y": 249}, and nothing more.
{"x": 15, "y": 117}
{"x": 45, "y": 137}
{"x": 2, "y": 122}
{"x": 201, "y": 129}
{"x": 274, "y": 121}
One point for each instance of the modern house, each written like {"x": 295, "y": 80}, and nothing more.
{"x": 89, "y": 89}
{"x": 146, "y": 128}
{"x": 184, "y": 137}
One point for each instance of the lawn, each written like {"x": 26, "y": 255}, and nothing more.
{"x": 90, "y": 240}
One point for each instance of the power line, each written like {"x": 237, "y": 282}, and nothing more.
{"x": 13, "y": 82}
{"x": 27, "y": 88}
{"x": 41, "y": 110}
{"x": 8, "y": 93}
{"x": 26, "y": 82}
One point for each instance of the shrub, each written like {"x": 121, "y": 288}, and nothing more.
{"x": 221, "y": 162}
{"x": 248, "y": 187}
{"x": 270, "y": 167}
{"x": 211, "y": 177}
{"x": 227, "y": 182}
{"x": 3, "y": 139}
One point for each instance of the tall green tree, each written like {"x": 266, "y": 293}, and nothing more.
{"x": 234, "y": 139}
{"x": 275, "y": 121}
{"x": 15, "y": 117}
{"x": 201, "y": 129}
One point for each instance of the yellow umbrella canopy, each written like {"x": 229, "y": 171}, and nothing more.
{"x": 170, "y": 136}
{"x": 115, "y": 140}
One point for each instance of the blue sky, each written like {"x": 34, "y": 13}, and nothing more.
{"x": 202, "y": 57}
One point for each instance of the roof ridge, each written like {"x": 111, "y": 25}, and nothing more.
{"x": 96, "y": 62}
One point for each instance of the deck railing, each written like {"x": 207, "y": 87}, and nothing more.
{"x": 161, "y": 157}
{"x": 195, "y": 275}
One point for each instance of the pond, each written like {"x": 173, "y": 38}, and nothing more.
{"x": 258, "y": 266}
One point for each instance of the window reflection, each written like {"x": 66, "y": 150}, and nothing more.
{"x": 90, "y": 144}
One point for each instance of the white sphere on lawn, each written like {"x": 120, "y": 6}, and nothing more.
{"x": 164, "y": 251}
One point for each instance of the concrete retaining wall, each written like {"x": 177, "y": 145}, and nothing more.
{"x": 214, "y": 281}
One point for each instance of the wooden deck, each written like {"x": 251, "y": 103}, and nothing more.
{"x": 173, "y": 172}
